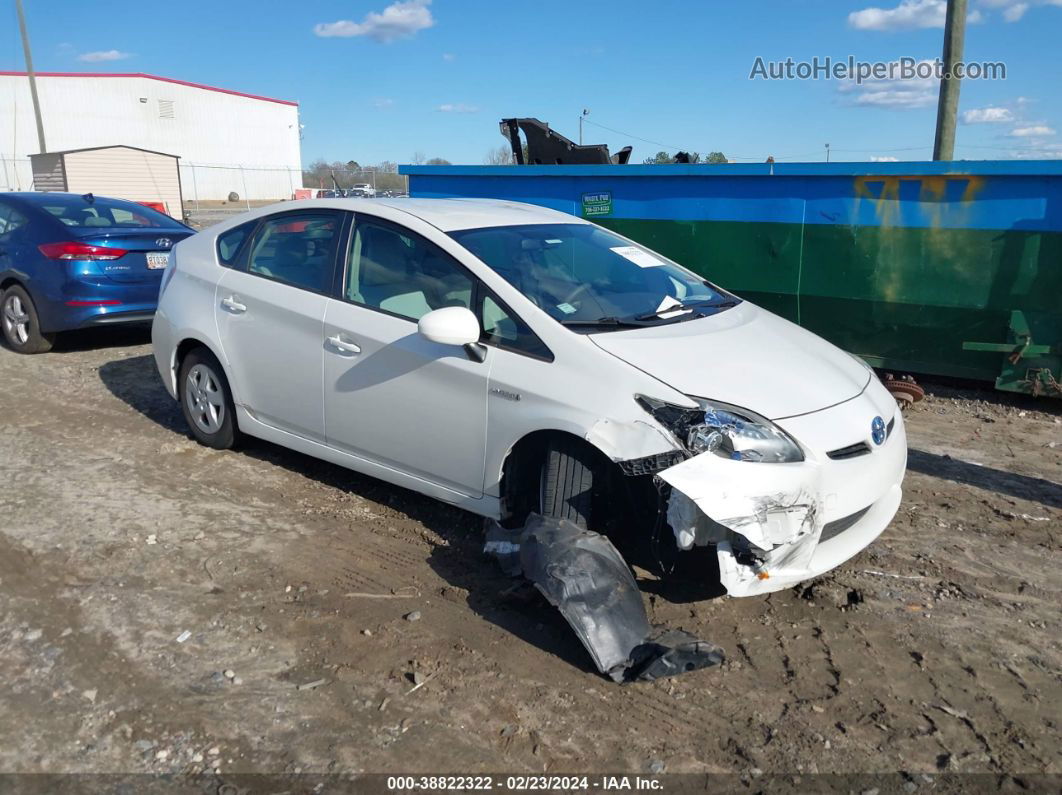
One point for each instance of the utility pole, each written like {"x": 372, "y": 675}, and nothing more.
{"x": 582, "y": 116}
{"x": 827, "y": 153}
{"x": 29, "y": 73}
{"x": 948, "y": 101}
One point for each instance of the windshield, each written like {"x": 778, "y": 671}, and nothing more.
{"x": 101, "y": 213}
{"x": 583, "y": 275}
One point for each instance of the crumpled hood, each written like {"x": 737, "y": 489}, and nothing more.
{"x": 744, "y": 356}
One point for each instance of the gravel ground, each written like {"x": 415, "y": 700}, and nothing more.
{"x": 165, "y": 608}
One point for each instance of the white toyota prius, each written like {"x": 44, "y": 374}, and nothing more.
{"x": 511, "y": 359}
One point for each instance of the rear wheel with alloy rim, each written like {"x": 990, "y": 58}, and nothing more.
{"x": 21, "y": 326}
{"x": 206, "y": 400}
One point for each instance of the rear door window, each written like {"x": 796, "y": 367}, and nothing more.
{"x": 297, "y": 249}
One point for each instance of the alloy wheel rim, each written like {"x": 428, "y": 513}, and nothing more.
{"x": 205, "y": 399}
{"x": 16, "y": 320}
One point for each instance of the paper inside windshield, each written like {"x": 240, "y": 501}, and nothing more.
{"x": 643, "y": 259}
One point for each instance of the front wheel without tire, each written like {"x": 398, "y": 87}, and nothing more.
{"x": 206, "y": 400}
{"x": 21, "y": 325}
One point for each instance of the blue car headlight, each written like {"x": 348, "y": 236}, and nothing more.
{"x": 727, "y": 431}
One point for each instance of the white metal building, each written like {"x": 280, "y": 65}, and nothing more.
{"x": 227, "y": 141}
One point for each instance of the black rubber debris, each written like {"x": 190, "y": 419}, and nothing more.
{"x": 583, "y": 575}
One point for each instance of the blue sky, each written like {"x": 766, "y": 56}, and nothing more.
{"x": 379, "y": 80}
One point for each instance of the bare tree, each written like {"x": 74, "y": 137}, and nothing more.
{"x": 502, "y": 156}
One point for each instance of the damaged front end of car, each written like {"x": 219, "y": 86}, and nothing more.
{"x": 746, "y": 487}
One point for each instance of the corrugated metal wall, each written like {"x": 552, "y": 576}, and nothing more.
{"x": 216, "y": 131}
{"x": 126, "y": 174}
{"x": 48, "y": 172}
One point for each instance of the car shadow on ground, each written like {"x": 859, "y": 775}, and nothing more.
{"x": 136, "y": 382}
{"x": 985, "y": 477}
{"x": 119, "y": 336}
{"x": 103, "y": 337}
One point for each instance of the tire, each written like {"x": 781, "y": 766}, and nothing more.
{"x": 206, "y": 400}
{"x": 21, "y": 324}
{"x": 567, "y": 485}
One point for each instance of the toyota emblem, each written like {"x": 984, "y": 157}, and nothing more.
{"x": 877, "y": 430}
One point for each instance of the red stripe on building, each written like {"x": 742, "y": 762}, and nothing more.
{"x": 153, "y": 77}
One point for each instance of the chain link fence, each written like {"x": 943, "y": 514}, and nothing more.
{"x": 213, "y": 191}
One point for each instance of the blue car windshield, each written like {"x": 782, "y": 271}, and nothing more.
{"x": 102, "y": 213}
{"x": 585, "y": 276}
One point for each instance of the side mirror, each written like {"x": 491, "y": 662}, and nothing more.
{"x": 451, "y": 325}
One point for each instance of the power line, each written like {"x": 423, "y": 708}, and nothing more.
{"x": 635, "y": 137}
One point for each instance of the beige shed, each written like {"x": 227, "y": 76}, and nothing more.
{"x": 123, "y": 172}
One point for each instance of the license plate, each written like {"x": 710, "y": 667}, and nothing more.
{"x": 158, "y": 261}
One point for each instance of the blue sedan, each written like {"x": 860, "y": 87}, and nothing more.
{"x": 70, "y": 262}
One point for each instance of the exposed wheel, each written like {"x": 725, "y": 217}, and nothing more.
{"x": 22, "y": 328}
{"x": 567, "y": 484}
{"x": 206, "y": 400}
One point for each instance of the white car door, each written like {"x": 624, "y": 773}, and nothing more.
{"x": 391, "y": 396}
{"x": 270, "y": 312}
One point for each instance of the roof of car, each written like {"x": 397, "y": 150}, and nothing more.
{"x": 453, "y": 214}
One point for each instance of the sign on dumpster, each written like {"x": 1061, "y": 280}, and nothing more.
{"x": 597, "y": 204}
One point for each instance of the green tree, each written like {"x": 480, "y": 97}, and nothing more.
{"x": 663, "y": 158}
{"x": 660, "y": 158}
{"x": 716, "y": 157}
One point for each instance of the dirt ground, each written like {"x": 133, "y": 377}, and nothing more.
{"x": 167, "y": 608}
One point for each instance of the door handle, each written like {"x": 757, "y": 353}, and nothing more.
{"x": 233, "y": 305}
{"x": 343, "y": 345}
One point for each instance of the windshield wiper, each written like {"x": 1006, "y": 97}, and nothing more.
{"x": 603, "y": 321}
{"x": 681, "y": 308}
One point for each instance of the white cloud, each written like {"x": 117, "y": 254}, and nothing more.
{"x": 383, "y": 103}
{"x": 399, "y": 20}
{"x": 458, "y": 107}
{"x": 884, "y": 159}
{"x": 1031, "y": 131}
{"x": 1048, "y": 152}
{"x": 1014, "y": 10}
{"x": 449, "y": 56}
{"x": 895, "y": 93}
{"x": 103, "y": 55}
{"x": 908, "y": 15}
{"x": 988, "y": 115}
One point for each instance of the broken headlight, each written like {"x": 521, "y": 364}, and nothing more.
{"x": 728, "y": 431}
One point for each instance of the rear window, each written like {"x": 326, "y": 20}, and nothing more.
{"x": 102, "y": 213}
